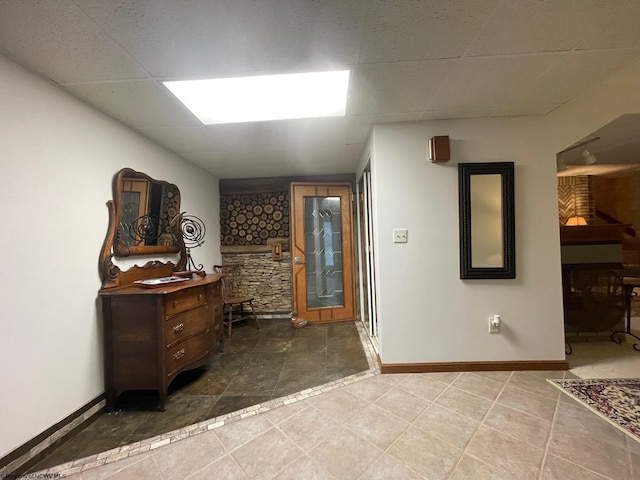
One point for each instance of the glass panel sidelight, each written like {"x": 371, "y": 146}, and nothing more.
{"x": 323, "y": 252}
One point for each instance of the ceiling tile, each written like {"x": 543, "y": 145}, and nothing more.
{"x": 245, "y": 137}
{"x": 139, "y": 104}
{"x": 488, "y": 82}
{"x": 182, "y": 140}
{"x": 396, "y": 31}
{"x": 359, "y": 126}
{"x": 538, "y": 26}
{"x": 532, "y": 26}
{"x": 58, "y": 41}
{"x": 359, "y": 129}
{"x": 522, "y": 108}
{"x": 201, "y": 38}
{"x": 573, "y": 72}
{"x": 450, "y": 114}
{"x": 610, "y": 24}
{"x": 311, "y": 133}
{"x": 393, "y": 88}
{"x": 269, "y": 164}
{"x": 411, "y": 60}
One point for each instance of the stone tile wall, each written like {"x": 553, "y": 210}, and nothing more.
{"x": 268, "y": 281}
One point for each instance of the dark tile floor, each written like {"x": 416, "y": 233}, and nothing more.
{"x": 256, "y": 366}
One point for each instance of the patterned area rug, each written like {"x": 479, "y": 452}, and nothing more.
{"x": 616, "y": 400}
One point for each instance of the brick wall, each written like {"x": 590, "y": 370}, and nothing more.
{"x": 619, "y": 198}
{"x": 575, "y": 198}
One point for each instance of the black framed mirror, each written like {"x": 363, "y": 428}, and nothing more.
{"x": 487, "y": 220}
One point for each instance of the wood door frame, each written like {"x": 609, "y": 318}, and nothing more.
{"x": 298, "y": 278}
{"x": 366, "y": 257}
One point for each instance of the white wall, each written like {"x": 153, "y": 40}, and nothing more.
{"x": 57, "y": 158}
{"x": 426, "y": 313}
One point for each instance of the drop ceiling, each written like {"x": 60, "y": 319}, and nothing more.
{"x": 410, "y": 61}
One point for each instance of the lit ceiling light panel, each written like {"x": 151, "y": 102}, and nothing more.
{"x": 262, "y": 98}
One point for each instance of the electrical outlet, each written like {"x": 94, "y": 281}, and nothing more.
{"x": 494, "y": 324}
{"x": 400, "y": 235}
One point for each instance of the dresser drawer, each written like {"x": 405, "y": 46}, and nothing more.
{"x": 188, "y": 323}
{"x": 217, "y": 321}
{"x": 184, "y": 300}
{"x": 188, "y": 351}
{"x": 216, "y": 289}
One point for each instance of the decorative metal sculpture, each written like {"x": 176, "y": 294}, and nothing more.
{"x": 144, "y": 230}
{"x": 192, "y": 230}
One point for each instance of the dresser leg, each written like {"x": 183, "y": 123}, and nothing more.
{"x": 110, "y": 397}
{"x": 163, "y": 401}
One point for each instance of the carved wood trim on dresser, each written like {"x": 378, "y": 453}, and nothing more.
{"x": 152, "y": 334}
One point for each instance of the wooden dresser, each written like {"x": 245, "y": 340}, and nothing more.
{"x": 153, "y": 334}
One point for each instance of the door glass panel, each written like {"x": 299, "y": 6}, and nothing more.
{"x": 323, "y": 252}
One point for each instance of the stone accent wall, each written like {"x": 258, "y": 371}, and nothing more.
{"x": 254, "y": 214}
{"x": 268, "y": 281}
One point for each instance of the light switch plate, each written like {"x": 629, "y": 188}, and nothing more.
{"x": 400, "y": 235}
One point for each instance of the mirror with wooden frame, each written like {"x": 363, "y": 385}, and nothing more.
{"x": 144, "y": 219}
{"x": 146, "y": 210}
{"x": 487, "y": 225}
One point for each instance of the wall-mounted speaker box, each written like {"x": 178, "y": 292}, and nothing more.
{"x": 439, "y": 149}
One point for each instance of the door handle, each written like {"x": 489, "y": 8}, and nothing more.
{"x": 298, "y": 261}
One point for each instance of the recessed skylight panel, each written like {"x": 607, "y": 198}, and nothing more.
{"x": 262, "y": 98}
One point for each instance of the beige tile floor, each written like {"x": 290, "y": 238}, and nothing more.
{"x": 455, "y": 426}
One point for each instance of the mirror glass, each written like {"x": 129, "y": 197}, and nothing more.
{"x": 487, "y": 234}
{"x": 487, "y": 227}
{"x": 146, "y": 211}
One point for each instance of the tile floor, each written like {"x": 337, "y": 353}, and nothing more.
{"x": 256, "y": 366}
{"x": 454, "y": 426}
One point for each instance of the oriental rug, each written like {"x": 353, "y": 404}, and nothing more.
{"x": 617, "y": 400}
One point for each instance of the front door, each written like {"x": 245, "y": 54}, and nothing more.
{"x": 322, "y": 252}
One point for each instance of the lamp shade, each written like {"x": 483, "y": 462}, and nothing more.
{"x": 575, "y": 221}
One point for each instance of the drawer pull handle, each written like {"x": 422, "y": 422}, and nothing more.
{"x": 178, "y": 328}
{"x": 200, "y": 296}
{"x": 175, "y": 303}
{"x": 179, "y": 354}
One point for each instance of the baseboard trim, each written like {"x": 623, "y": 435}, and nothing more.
{"x": 37, "y": 447}
{"x": 472, "y": 366}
